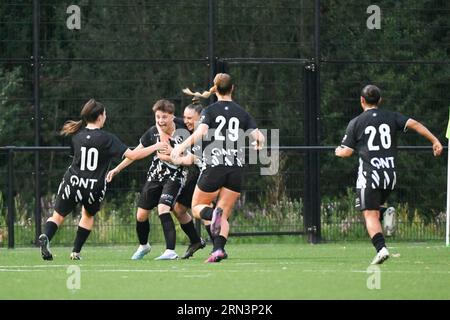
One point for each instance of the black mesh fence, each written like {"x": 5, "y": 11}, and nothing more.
{"x": 130, "y": 54}
{"x": 271, "y": 29}
{"x": 406, "y": 30}
{"x": 173, "y": 29}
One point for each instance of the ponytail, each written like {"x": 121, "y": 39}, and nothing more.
{"x": 89, "y": 114}
{"x": 204, "y": 95}
{"x": 223, "y": 84}
{"x": 71, "y": 127}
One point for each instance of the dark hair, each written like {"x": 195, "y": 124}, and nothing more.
{"x": 371, "y": 94}
{"x": 197, "y": 107}
{"x": 90, "y": 112}
{"x": 164, "y": 106}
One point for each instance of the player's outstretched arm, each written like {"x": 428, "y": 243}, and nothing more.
{"x": 139, "y": 153}
{"x": 343, "y": 152}
{"x": 423, "y": 131}
{"x": 259, "y": 139}
{"x": 186, "y": 160}
{"x": 125, "y": 163}
{"x": 179, "y": 149}
{"x": 131, "y": 155}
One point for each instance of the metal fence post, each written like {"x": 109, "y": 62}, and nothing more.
{"x": 212, "y": 7}
{"x": 311, "y": 210}
{"x": 11, "y": 213}
{"x": 37, "y": 117}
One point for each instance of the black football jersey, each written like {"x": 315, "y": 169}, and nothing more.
{"x": 192, "y": 171}
{"x": 225, "y": 142}
{"x": 373, "y": 134}
{"x": 161, "y": 170}
{"x": 93, "y": 150}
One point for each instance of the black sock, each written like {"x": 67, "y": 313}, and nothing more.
{"x": 378, "y": 241}
{"x": 208, "y": 229}
{"x": 50, "y": 229}
{"x": 143, "y": 229}
{"x": 168, "y": 229}
{"x": 382, "y": 210}
{"x": 219, "y": 243}
{"x": 80, "y": 239}
{"x": 206, "y": 213}
{"x": 190, "y": 231}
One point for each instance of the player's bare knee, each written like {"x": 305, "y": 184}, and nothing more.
{"x": 196, "y": 211}
{"x": 142, "y": 215}
{"x": 163, "y": 208}
{"x": 57, "y": 218}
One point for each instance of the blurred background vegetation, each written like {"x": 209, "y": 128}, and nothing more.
{"x": 408, "y": 58}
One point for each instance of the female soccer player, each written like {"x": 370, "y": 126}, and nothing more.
{"x": 223, "y": 159}
{"x": 84, "y": 180}
{"x": 373, "y": 134}
{"x": 164, "y": 181}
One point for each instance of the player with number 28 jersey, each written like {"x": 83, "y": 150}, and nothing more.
{"x": 373, "y": 134}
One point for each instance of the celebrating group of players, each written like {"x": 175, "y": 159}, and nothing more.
{"x": 210, "y": 186}
{"x": 197, "y": 163}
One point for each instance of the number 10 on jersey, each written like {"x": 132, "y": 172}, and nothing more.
{"x": 89, "y": 159}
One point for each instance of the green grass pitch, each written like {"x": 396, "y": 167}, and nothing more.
{"x": 253, "y": 271}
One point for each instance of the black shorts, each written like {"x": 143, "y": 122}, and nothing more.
{"x": 154, "y": 193}
{"x": 371, "y": 199}
{"x": 185, "y": 197}
{"x": 213, "y": 178}
{"x": 68, "y": 197}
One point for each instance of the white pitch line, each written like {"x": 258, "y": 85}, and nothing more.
{"x": 20, "y": 270}
{"x": 197, "y": 276}
{"x": 382, "y": 271}
{"x": 60, "y": 265}
{"x": 37, "y": 266}
{"x": 228, "y": 270}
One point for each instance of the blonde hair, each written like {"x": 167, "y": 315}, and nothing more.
{"x": 223, "y": 84}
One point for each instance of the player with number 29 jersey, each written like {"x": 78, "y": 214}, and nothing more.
{"x": 227, "y": 122}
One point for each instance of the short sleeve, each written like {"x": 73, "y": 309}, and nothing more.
{"x": 205, "y": 117}
{"x": 179, "y": 123}
{"x": 116, "y": 147}
{"x": 72, "y": 149}
{"x": 400, "y": 121}
{"x": 148, "y": 138}
{"x": 250, "y": 123}
{"x": 349, "y": 139}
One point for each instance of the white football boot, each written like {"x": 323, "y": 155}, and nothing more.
{"x": 141, "y": 252}
{"x": 389, "y": 221}
{"x": 381, "y": 256}
{"x": 168, "y": 255}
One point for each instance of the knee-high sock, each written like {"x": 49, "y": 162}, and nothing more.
{"x": 80, "y": 239}
{"x": 208, "y": 229}
{"x": 190, "y": 231}
{"x": 219, "y": 243}
{"x": 143, "y": 229}
{"x": 168, "y": 229}
{"x": 378, "y": 241}
{"x": 206, "y": 213}
{"x": 50, "y": 229}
